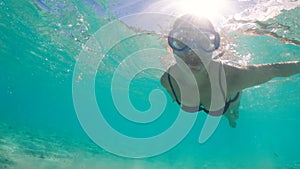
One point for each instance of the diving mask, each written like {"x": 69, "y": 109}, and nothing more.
{"x": 183, "y": 39}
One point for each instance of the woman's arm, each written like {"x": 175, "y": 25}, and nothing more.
{"x": 239, "y": 78}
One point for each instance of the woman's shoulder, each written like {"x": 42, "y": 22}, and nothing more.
{"x": 176, "y": 74}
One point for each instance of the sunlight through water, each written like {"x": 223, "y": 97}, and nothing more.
{"x": 210, "y": 9}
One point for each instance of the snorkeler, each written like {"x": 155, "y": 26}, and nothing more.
{"x": 196, "y": 74}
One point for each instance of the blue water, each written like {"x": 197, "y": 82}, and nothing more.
{"x": 41, "y": 43}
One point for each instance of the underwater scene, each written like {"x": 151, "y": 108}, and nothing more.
{"x": 80, "y": 86}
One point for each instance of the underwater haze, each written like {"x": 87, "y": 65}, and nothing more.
{"x": 47, "y": 70}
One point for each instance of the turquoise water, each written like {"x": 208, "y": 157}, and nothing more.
{"x": 40, "y": 44}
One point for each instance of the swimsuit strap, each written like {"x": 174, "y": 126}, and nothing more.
{"x": 183, "y": 107}
{"x": 172, "y": 88}
{"x": 201, "y": 107}
{"x": 224, "y": 109}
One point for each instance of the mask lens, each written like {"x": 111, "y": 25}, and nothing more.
{"x": 178, "y": 45}
{"x": 211, "y": 36}
{"x": 206, "y": 41}
{"x": 175, "y": 40}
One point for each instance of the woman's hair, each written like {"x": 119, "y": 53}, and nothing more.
{"x": 193, "y": 21}
{"x": 194, "y": 24}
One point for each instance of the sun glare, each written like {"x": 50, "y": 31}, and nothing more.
{"x": 207, "y": 8}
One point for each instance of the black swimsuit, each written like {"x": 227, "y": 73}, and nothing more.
{"x": 201, "y": 107}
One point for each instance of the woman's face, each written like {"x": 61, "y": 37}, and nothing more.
{"x": 193, "y": 59}
{"x": 192, "y": 46}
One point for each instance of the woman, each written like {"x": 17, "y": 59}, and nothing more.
{"x": 197, "y": 82}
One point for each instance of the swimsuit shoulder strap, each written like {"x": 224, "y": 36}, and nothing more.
{"x": 185, "y": 108}
{"x": 227, "y": 103}
{"x": 172, "y": 88}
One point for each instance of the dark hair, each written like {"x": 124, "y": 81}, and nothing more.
{"x": 193, "y": 21}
